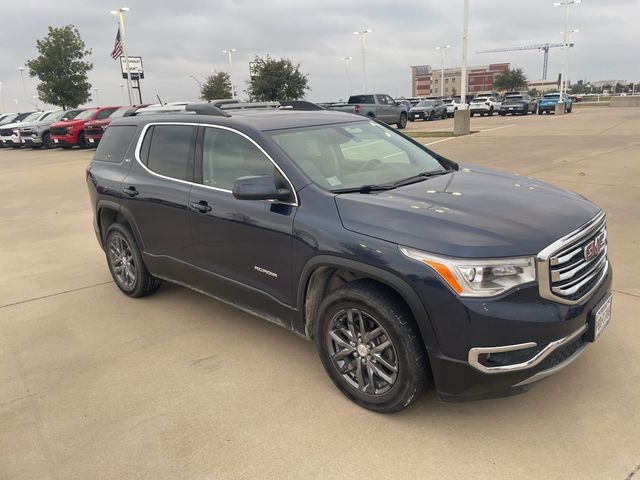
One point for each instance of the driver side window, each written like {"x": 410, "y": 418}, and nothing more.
{"x": 227, "y": 156}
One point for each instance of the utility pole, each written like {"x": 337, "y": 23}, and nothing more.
{"x": 565, "y": 48}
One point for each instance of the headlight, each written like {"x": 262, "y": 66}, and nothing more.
{"x": 478, "y": 277}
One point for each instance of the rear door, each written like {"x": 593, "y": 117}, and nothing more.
{"x": 247, "y": 242}
{"x": 156, "y": 191}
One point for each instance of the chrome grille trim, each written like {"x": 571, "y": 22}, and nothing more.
{"x": 562, "y": 269}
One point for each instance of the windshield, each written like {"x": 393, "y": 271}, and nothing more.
{"x": 33, "y": 117}
{"x": 426, "y": 103}
{"x": 71, "y": 114}
{"x": 55, "y": 116}
{"x": 552, "y": 95}
{"x": 351, "y": 155}
{"x": 119, "y": 113}
{"x": 86, "y": 114}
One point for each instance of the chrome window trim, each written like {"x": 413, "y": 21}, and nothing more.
{"x": 194, "y": 124}
{"x": 474, "y": 353}
{"x": 543, "y": 262}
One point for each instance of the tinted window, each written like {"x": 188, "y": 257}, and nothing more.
{"x": 115, "y": 143}
{"x": 361, "y": 99}
{"x": 170, "y": 149}
{"x": 86, "y": 114}
{"x": 105, "y": 113}
{"x": 227, "y": 156}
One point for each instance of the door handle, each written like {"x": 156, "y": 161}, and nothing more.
{"x": 201, "y": 207}
{"x": 131, "y": 191}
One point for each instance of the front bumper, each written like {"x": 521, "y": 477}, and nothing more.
{"x": 420, "y": 115}
{"x": 64, "y": 140}
{"x": 12, "y": 141}
{"x": 514, "y": 109}
{"x": 559, "y": 332}
{"x": 31, "y": 140}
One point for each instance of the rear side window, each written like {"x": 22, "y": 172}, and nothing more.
{"x": 114, "y": 143}
{"x": 170, "y": 149}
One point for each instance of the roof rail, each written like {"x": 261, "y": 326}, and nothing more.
{"x": 299, "y": 105}
{"x": 206, "y": 109}
{"x": 250, "y": 105}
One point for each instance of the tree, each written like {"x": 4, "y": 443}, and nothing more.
{"x": 61, "y": 68}
{"x": 277, "y": 80}
{"x": 511, "y": 79}
{"x": 216, "y": 86}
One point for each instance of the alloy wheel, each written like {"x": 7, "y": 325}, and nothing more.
{"x": 362, "y": 351}
{"x": 122, "y": 261}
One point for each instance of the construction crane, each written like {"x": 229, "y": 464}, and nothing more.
{"x": 539, "y": 46}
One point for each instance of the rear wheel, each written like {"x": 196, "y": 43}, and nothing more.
{"x": 125, "y": 263}
{"x": 491, "y": 111}
{"x": 370, "y": 347}
{"x": 432, "y": 115}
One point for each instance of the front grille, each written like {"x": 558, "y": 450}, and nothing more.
{"x": 576, "y": 266}
{"x": 93, "y": 131}
{"x": 6, "y": 132}
{"x": 58, "y": 131}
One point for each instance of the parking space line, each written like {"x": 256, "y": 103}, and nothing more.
{"x": 497, "y": 128}
{"x": 441, "y": 140}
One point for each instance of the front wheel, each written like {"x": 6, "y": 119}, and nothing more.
{"x": 125, "y": 263}
{"x": 402, "y": 122}
{"x": 46, "y": 141}
{"x": 370, "y": 347}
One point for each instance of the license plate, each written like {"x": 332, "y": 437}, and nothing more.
{"x": 602, "y": 316}
{"x": 55, "y": 140}
{"x": 23, "y": 141}
{"x": 91, "y": 140}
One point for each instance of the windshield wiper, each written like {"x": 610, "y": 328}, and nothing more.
{"x": 363, "y": 189}
{"x": 419, "y": 177}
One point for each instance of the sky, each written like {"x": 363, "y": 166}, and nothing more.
{"x": 177, "y": 39}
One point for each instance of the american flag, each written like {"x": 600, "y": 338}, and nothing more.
{"x": 117, "y": 48}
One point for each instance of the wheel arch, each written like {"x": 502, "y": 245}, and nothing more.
{"x": 108, "y": 212}
{"x": 316, "y": 283}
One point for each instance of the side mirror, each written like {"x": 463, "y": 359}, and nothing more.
{"x": 261, "y": 187}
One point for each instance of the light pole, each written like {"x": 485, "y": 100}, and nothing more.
{"x": 442, "y": 49}
{"x": 565, "y": 47}
{"x": 229, "y": 51}
{"x": 122, "y": 92}
{"x": 461, "y": 117}
{"x": 120, "y": 13}
{"x": 566, "y": 59}
{"x": 96, "y": 90}
{"x": 362, "y": 33}
{"x": 21, "y": 69}
{"x": 346, "y": 61}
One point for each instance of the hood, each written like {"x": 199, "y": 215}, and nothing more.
{"x": 41, "y": 123}
{"x": 420, "y": 109}
{"x": 69, "y": 123}
{"x": 472, "y": 213}
{"x": 12, "y": 125}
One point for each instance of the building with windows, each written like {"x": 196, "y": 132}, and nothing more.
{"x": 426, "y": 82}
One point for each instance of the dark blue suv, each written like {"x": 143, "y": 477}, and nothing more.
{"x": 404, "y": 267}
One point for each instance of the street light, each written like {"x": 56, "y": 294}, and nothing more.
{"x": 229, "y": 51}
{"x": 346, "y": 61}
{"x": 565, "y": 46}
{"x": 442, "y": 49}
{"x": 119, "y": 12}
{"x": 362, "y": 33}
{"x": 566, "y": 61}
{"x": 96, "y": 90}
{"x": 21, "y": 69}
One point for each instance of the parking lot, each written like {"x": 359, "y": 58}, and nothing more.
{"x": 95, "y": 385}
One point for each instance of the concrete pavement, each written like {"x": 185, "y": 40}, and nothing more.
{"x": 94, "y": 385}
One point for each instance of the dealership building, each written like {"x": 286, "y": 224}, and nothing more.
{"x": 425, "y": 81}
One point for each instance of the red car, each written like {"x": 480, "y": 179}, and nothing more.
{"x": 70, "y": 133}
{"x": 94, "y": 129}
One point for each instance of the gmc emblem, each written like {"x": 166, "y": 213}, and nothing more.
{"x": 594, "y": 247}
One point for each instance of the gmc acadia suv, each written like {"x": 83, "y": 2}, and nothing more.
{"x": 403, "y": 266}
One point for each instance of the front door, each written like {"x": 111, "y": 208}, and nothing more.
{"x": 247, "y": 242}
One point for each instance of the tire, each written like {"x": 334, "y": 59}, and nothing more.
{"x": 46, "y": 141}
{"x": 390, "y": 378}
{"x": 503, "y": 114}
{"x": 432, "y": 116}
{"x": 123, "y": 254}
{"x": 82, "y": 142}
{"x": 491, "y": 111}
{"x": 403, "y": 121}
{"x": 540, "y": 112}
{"x": 444, "y": 115}
{"x": 471, "y": 114}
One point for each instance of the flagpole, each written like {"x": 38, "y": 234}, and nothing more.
{"x": 120, "y": 12}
